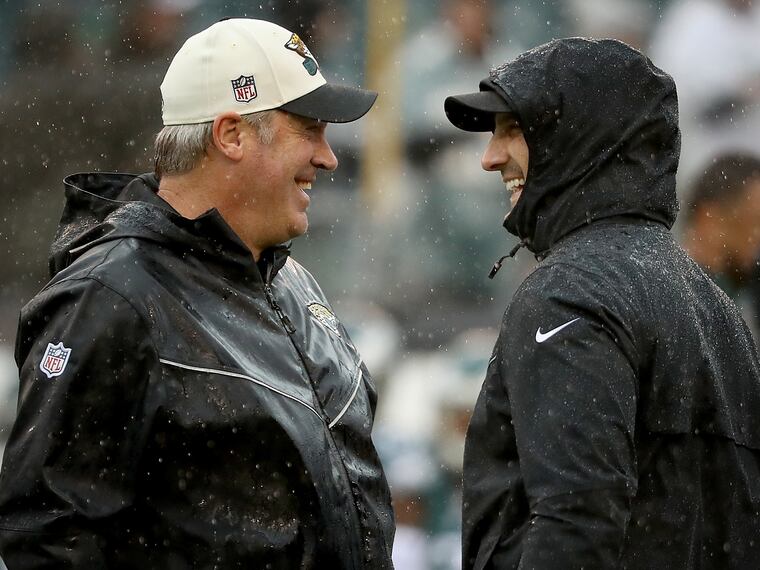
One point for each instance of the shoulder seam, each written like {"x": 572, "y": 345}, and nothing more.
{"x": 119, "y": 294}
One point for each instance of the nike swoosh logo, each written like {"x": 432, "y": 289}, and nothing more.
{"x": 541, "y": 337}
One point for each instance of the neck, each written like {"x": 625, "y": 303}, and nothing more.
{"x": 188, "y": 193}
{"x": 196, "y": 192}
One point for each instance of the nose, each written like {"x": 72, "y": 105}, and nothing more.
{"x": 494, "y": 156}
{"x": 324, "y": 157}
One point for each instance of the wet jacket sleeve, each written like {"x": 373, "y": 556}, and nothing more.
{"x": 69, "y": 467}
{"x": 569, "y": 372}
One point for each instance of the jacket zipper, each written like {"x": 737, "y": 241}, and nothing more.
{"x": 289, "y": 328}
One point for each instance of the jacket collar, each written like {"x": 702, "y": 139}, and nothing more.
{"x": 102, "y": 207}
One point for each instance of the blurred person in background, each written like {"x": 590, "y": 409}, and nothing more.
{"x": 338, "y": 224}
{"x": 457, "y": 391}
{"x": 422, "y": 419}
{"x": 616, "y": 425}
{"x": 8, "y": 393}
{"x": 454, "y": 47}
{"x": 412, "y": 475}
{"x": 33, "y": 109}
{"x": 444, "y": 216}
{"x": 82, "y": 91}
{"x": 8, "y": 399}
{"x": 188, "y": 397}
{"x": 629, "y": 21}
{"x": 722, "y": 230}
{"x": 712, "y": 50}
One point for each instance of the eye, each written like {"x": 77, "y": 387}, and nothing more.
{"x": 509, "y": 128}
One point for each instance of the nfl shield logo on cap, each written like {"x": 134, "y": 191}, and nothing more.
{"x": 54, "y": 360}
{"x": 244, "y": 88}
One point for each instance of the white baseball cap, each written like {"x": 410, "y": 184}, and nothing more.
{"x": 246, "y": 66}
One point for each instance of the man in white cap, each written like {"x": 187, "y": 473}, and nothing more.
{"x": 188, "y": 399}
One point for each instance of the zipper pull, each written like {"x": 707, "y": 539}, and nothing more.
{"x": 497, "y": 265}
{"x": 289, "y": 328}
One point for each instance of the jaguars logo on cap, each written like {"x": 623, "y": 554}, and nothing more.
{"x": 296, "y": 44}
{"x": 324, "y": 316}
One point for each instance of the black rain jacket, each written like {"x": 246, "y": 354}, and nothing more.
{"x": 210, "y": 412}
{"x": 618, "y": 424}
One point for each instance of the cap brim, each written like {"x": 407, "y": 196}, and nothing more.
{"x": 333, "y": 103}
{"x": 475, "y": 111}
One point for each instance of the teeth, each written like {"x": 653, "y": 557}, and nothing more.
{"x": 304, "y": 185}
{"x": 513, "y": 184}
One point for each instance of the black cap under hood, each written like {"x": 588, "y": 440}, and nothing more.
{"x": 601, "y": 124}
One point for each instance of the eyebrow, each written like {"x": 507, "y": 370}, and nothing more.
{"x": 308, "y": 122}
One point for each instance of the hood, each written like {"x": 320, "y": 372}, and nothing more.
{"x": 102, "y": 207}
{"x": 601, "y": 124}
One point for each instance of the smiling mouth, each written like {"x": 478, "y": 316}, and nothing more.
{"x": 302, "y": 185}
{"x": 515, "y": 185}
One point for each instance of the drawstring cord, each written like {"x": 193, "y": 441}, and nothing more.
{"x": 497, "y": 265}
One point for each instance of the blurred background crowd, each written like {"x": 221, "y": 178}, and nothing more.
{"x": 403, "y": 234}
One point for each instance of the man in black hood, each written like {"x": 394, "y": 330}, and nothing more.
{"x": 617, "y": 426}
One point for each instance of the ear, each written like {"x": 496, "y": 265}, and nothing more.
{"x": 228, "y": 136}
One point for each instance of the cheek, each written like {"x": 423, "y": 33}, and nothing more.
{"x": 520, "y": 152}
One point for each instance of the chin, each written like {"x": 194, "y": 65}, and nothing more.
{"x": 299, "y": 228}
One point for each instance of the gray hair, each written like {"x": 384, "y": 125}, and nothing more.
{"x": 179, "y": 148}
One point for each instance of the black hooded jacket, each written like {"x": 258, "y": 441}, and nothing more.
{"x": 617, "y": 426}
{"x": 209, "y": 413}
